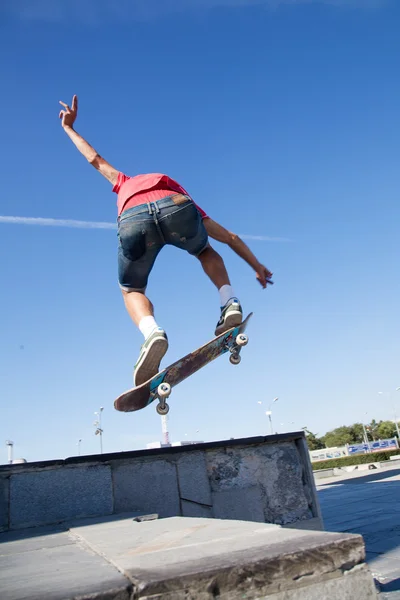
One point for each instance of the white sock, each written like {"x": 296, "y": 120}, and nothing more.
{"x": 147, "y": 325}
{"x": 225, "y": 294}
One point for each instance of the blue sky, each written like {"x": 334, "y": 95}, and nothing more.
{"x": 282, "y": 120}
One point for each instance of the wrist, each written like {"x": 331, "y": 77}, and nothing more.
{"x": 68, "y": 128}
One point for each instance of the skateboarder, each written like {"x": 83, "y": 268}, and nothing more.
{"x": 154, "y": 210}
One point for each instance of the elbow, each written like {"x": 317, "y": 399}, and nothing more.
{"x": 94, "y": 160}
{"x": 233, "y": 239}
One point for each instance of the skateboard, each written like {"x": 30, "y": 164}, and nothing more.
{"x": 160, "y": 386}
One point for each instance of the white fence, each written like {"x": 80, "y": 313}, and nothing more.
{"x": 351, "y": 449}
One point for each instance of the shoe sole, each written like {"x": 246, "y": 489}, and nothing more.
{"x": 151, "y": 362}
{"x": 233, "y": 319}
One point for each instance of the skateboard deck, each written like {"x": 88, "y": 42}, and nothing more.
{"x": 159, "y": 387}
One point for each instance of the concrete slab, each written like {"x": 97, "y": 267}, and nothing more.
{"x": 18, "y": 544}
{"x": 278, "y": 471}
{"x": 177, "y": 558}
{"x": 193, "y": 479}
{"x": 355, "y": 585}
{"x": 56, "y": 568}
{"x": 150, "y": 486}
{"x": 39, "y": 498}
{"x": 202, "y": 558}
{"x": 241, "y": 503}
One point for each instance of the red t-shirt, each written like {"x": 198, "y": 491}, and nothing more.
{"x": 133, "y": 191}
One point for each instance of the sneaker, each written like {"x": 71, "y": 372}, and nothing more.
{"x": 231, "y": 316}
{"x": 151, "y": 353}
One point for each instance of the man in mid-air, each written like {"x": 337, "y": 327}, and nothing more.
{"x": 154, "y": 210}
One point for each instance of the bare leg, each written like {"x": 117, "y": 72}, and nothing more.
{"x": 137, "y": 305}
{"x": 214, "y": 267}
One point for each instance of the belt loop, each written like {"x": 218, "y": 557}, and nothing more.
{"x": 149, "y": 206}
{"x": 157, "y": 207}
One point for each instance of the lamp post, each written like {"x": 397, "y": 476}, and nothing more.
{"x": 79, "y": 446}
{"x": 99, "y": 430}
{"x": 269, "y": 414}
{"x": 10, "y": 446}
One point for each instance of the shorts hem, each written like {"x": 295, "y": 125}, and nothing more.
{"x": 127, "y": 289}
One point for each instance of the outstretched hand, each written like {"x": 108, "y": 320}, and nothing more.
{"x": 69, "y": 115}
{"x": 263, "y": 275}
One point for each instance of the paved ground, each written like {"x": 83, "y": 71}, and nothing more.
{"x": 368, "y": 502}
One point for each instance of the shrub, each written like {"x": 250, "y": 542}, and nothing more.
{"x": 356, "y": 459}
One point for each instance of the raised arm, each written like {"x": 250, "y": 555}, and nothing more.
{"x": 219, "y": 233}
{"x": 68, "y": 117}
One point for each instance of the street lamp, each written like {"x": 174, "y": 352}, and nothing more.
{"x": 269, "y": 414}
{"x": 10, "y": 446}
{"x": 99, "y": 430}
{"x": 79, "y": 446}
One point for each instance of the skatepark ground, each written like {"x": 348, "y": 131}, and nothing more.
{"x": 104, "y": 556}
{"x": 368, "y": 503}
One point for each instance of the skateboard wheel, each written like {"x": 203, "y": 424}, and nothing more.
{"x": 163, "y": 390}
{"x": 235, "y": 359}
{"x": 242, "y": 339}
{"x": 162, "y": 410}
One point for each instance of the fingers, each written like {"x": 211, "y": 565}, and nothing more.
{"x": 67, "y": 108}
{"x": 261, "y": 280}
{"x": 62, "y": 113}
{"x": 74, "y": 103}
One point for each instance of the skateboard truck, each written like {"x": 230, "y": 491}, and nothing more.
{"x": 164, "y": 389}
{"x": 163, "y": 392}
{"x": 241, "y": 340}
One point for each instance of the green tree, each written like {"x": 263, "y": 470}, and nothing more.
{"x": 385, "y": 430}
{"x": 313, "y": 442}
{"x": 339, "y": 437}
{"x": 357, "y": 433}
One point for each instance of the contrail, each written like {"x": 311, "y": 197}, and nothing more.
{"x": 57, "y": 222}
{"x": 72, "y": 223}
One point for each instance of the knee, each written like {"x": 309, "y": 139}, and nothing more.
{"x": 207, "y": 254}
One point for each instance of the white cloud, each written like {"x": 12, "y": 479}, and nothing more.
{"x": 96, "y": 11}
{"x": 43, "y": 222}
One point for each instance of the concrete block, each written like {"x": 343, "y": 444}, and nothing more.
{"x": 4, "y": 503}
{"x": 178, "y": 558}
{"x": 244, "y": 504}
{"x": 55, "y": 495}
{"x": 191, "y": 509}
{"x": 276, "y": 469}
{"x": 147, "y": 486}
{"x": 58, "y": 569}
{"x": 314, "y": 524}
{"x": 193, "y": 479}
{"x": 355, "y": 585}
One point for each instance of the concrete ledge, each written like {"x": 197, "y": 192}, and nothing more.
{"x": 180, "y": 558}
{"x": 263, "y": 479}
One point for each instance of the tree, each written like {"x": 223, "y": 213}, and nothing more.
{"x": 354, "y": 434}
{"x": 313, "y": 442}
{"x": 340, "y": 436}
{"x": 357, "y": 433}
{"x": 385, "y": 430}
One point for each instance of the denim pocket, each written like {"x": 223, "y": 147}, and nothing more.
{"x": 132, "y": 239}
{"x": 182, "y": 222}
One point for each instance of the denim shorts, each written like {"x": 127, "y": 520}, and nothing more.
{"x": 145, "y": 229}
